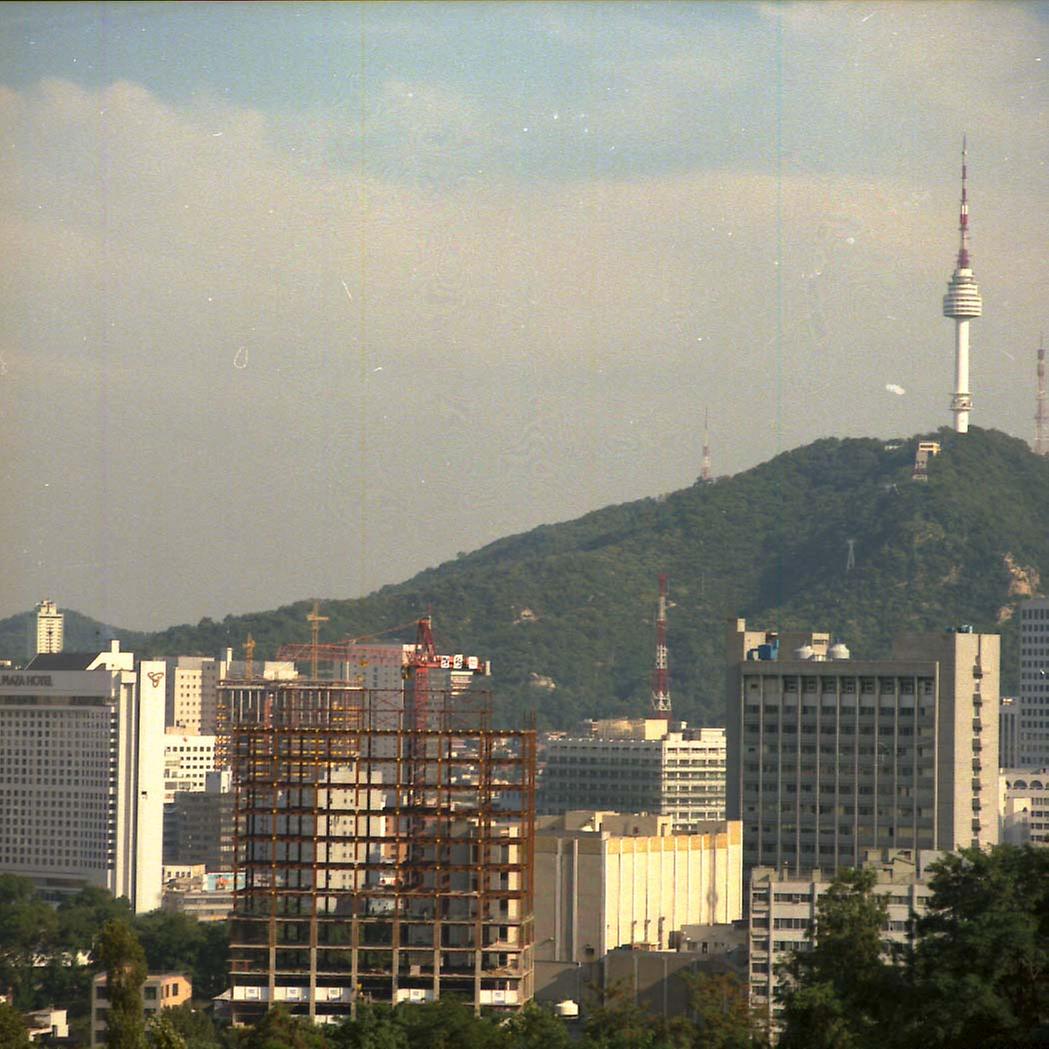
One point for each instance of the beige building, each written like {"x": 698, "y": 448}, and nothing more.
{"x": 783, "y": 909}
{"x": 160, "y": 991}
{"x": 606, "y": 880}
{"x": 50, "y": 625}
{"x": 637, "y": 765}
{"x": 1024, "y": 806}
{"x": 830, "y": 756}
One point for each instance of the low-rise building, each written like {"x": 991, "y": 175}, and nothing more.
{"x": 1024, "y": 801}
{"x": 783, "y": 910}
{"x": 160, "y": 991}
{"x": 606, "y": 880}
{"x": 47, "y": 1023}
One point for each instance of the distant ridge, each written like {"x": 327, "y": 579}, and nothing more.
{"x": 566, "y": 612}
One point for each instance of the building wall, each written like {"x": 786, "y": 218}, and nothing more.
{"x": 638, "y": 766}
{"x": 1034, "y": 684}
{"x": 597, "y": 889}
{"x": 187, "y": 762}
{"x": 1008, "y": 732}
{"x": 49, "y": 627}
{"x": 160, "y": 991}
{"x": 1024, "y": 806}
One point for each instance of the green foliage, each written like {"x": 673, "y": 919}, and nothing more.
{"x": 81, "y": 916}
{"x": 176, "y": 942}
{"x": 983, "y": 947}
{"x": 769, "y": 544}
{"x": 161, "y": 1033}
{"x": 616, "y": 1021}
{"x": 536, "y": 1028}
{"x": 121, "y": 956}
{"x": 721, "y": 1013}
{"x": 27, "y": 929}
{"x": 278, "y": 1029}
{"x": 978, "y": 973}
{"x": 13, "y": 1032}
{"x": 194, "y": 1025}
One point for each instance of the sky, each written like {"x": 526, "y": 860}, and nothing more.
{"x": 301, "y": 299}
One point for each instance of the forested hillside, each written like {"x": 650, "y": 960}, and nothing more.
{"x": 566, "y": 612}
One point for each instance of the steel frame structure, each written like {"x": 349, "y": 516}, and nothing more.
{"x": 384, "y": 848}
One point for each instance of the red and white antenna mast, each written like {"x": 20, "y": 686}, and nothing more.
{"x": 661, "y": 673}
{"x": 1041, "y": 421}
{"x": 704, "y": 473}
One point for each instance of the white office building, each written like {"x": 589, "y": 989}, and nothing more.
{"x": 187, "y": 762}
{"x": 81, "y": 774}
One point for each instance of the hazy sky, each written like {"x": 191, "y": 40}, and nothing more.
{"x": 300, "y": 299}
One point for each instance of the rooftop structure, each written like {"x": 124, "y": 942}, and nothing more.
{"x": 962, "y": 303}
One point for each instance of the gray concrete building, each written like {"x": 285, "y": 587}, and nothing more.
{"x": 830, "y": 756}
{"x": 1024, "y": 806}
{"x": 1033, "y": 701}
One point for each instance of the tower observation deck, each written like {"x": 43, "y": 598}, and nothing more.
{"x": 962, "y": 303}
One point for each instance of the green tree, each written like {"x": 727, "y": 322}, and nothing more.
{"x": 721, "y": 1013}
{"x": 376, "y": 1026}
{"x": 618, "y": 1022}
{"x": 13, "y": 1032}
{"x": 448, "y": 1023}
{"x": 982, "y": 955}
{"x": 841, "y": 993}
{"x": 81, "y": 916}
{"x": 27, "y": 932}
{"x": 537, "y": 1028}
{"x": 279, "y": 1029}
{"x": 195, "y": 1025}
{"x": 121, "y": 956}
{"x": 162, "y": 1034}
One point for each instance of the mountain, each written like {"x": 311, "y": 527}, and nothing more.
{"x": 80, "y": 633}
{"x": 566, "y": 612}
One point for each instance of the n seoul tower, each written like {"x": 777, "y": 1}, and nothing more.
{"x": 962, "y": 302}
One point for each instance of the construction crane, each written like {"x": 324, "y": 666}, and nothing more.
{"x": 315, "y": 619}
{"x": 661, "y": 671}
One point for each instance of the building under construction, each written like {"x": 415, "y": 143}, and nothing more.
{"x": 384, "y": 839}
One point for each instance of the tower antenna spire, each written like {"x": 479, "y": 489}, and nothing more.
{"x": 704, "y": 473}
{"x": 962, "y": 303}
{"x": 1041, "y": 420}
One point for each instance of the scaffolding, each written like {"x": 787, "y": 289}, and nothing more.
{"x": 384, "y": 847}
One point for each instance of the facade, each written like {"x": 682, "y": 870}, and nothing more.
{"x": 49, "y": 627}
{"x": 81, "y": 781}
{"x": 187, "y": 762}
{"x": 192, "y": 695}
{"x": 1024, "y": 795}
{"x": 830, "y": 757}
{"x": 198, "y": 826}
{"x": 383, "y": 847}
{"x": 204, "y": 895}
{"x": 47, "y": 1024}
{"x": 1033, "y": 701}
{"x": 637, "y": 765}
{"x": 1008, "y": 732}
{"x": 160, "y": 991}
{"x": 783, "y": 908}
{"x": 606, "y": 880}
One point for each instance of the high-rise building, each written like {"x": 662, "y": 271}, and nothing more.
{"x": 81, "y": 775}
{"x": 962, "y": 303}
{"x": 783, "y": 909}
{"x": 198, "y": 825}
{"x": 1033, "y": 701}
{"x": 830, "y": 756}
{"x": 187, "y": 762}
{"x": 639, "y": 766}
{"x": 49, "y": 627}
{"x": 384, "y": 845}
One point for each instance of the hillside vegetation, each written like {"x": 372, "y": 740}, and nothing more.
{"x": 566, "y": 612}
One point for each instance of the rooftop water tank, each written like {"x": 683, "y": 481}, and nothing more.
{"x": 567, "y": 1009}
{"x": 805, "y": 652}
{"x": 839, "y": 650}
